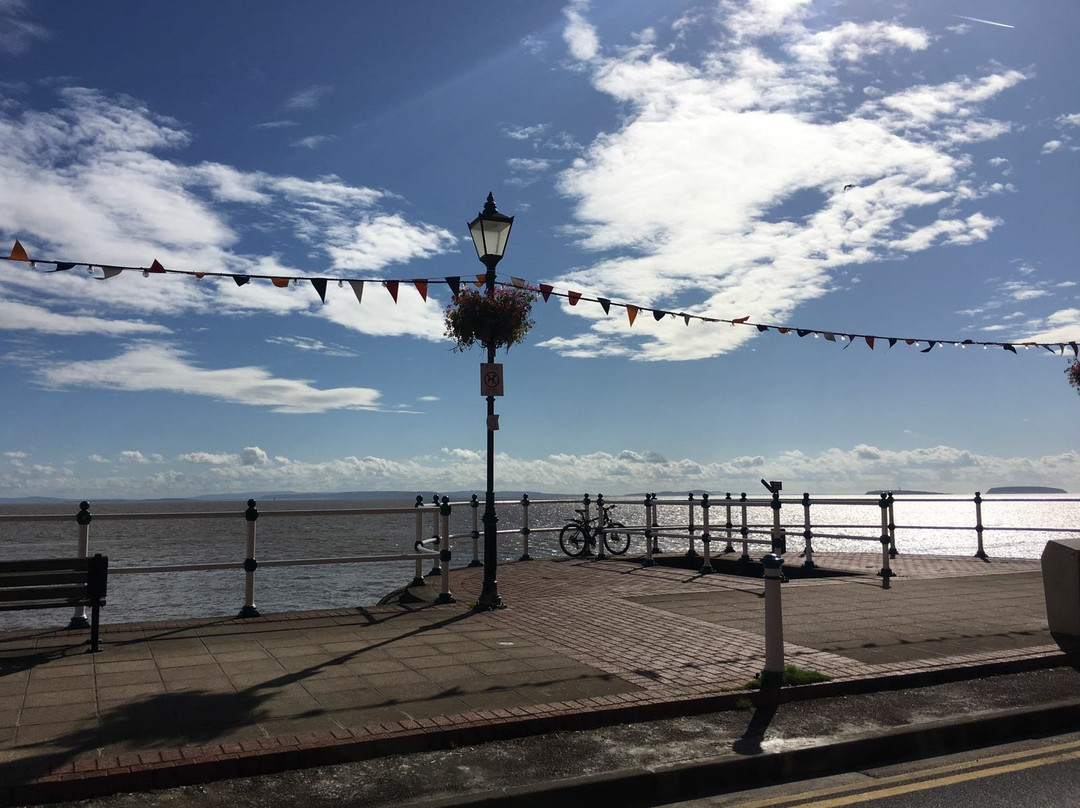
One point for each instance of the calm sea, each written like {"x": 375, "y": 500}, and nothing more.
{"x": 924, "y": 525}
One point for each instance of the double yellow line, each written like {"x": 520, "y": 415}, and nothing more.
{"x": 925, "y": 779}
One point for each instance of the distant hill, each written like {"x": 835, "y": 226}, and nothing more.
{"x": 1026, "y": 489}
{"x": 905, "y": 491}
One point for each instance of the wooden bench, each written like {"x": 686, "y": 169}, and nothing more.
{"x": 53, "y": 583}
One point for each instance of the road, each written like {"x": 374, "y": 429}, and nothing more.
{"x": 1029, "y": 774}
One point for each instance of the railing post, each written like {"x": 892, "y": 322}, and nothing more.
{"x": 656, "y": 525}
{"x": 691, "y": 552}
{"x": 83, "y": 519}
{"x": 808, "y": 533}
{"x": 729, "y": 526}
{"x": 886, "y": 573}
{"x": 436, "y": 569}
{"x": 250, "y": 564}
{"x": 444, "y": 553}
{"x": 706, "y": 539}
{"x": 745, "y": 530}
{"x": 773, "y": 674}
{"x": 980, "y": 553}
{"x": 418, "y": 575}
{"x": 648, "y": 561}
{"x": 601, "y": 549}
{"x": 893, "y": 552}
{"x": 585, "y": 506}
{"x": 525, "y": 528}
{"x": 475, "y": 505}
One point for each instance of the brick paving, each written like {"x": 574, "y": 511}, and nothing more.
{"x": 581, "y": 643}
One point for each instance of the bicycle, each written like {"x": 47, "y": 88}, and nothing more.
{"x": 578, "y": 536}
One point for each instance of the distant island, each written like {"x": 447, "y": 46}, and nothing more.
{"x": 1026, "y": 489}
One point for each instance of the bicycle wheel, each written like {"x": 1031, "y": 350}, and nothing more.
{"x": 617, "y": 543}
{"x": 572, "y": 540}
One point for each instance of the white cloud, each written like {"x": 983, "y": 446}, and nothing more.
{"x": 757, "y": 228}
{"x": 1051, "y": 146}
{"x": 309, "y": 97}
{"x": 18, "y": 33}
{"x": 1069, "y": 120}
{"x": 313, "y": 141}
{"x": 155, "y": 367}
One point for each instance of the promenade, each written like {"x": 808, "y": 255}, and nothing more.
{"x": 582, "y": 644}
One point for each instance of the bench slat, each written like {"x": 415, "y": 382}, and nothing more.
{"x": 10, "y": 580}
{"x": 27, "y": 593}
{"x": 45, "y": 604}
{"x": 36, "y": 564}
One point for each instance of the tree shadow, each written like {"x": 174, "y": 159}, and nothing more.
{"x": 750, "y": 742}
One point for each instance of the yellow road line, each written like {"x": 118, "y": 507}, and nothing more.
{"x": 1064, "y": 751}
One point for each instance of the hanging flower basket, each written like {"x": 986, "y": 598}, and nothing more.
{"x": 498, "y": 320}
{"x": 1073, "y": 373}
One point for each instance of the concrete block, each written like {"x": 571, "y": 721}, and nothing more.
{"x": 1061, "y": 585}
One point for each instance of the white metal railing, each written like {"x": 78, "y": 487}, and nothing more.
{"x": 745, "y": 521}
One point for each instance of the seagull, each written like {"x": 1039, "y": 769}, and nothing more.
{"x": 849, "y": 186}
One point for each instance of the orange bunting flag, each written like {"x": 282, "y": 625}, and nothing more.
{"x": 199, "y": 275}
{"x": 156, "y": 267}
{"x": 546, "y": 291}
{"x": 421, "y": 287}
{"x": 741, "y": 320}
{"x": 911, "y": 341}
{"x": 1074, "y": 349}
{"x": 631, "y": 312}
{"x": 480, "y": 280}
{"x": 320, "y": 287}
{"x": 18, "y": 253}
{"x": 280, "y": 283}
{"x": 391, "y": 287}
{"x": 573, "y": 297}
{"x": 783, "y": 330}
{"x": 870, "y": 342}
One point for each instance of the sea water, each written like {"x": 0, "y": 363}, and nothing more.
{"x": 927, "y": 525}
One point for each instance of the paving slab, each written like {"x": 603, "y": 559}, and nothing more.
{"x": 582, "y": 643}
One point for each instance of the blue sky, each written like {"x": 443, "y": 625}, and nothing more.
{"x": 683, "y": 156}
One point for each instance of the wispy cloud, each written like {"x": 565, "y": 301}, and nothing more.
{"x": 757, "y": 229}
{"x": 313, "y": 141}
{"x": 18, "y": 32}
{"x": 309, "y": 97}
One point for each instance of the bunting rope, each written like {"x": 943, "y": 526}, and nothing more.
{"x": 546, "y": 291}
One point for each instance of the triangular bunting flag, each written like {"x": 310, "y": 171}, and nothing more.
{"x": 518, "y": 282}
{"x": 241, "y": 279}
{"x": 421, "y": 287}
{"x": 110, "y": 272}
{"x": 1074, "y": 348}
{"x": 454, "y": 282}
{"x": 631, "y": 312}
{"x": 18, "y": 253}
{"x": 156, "y": 267}
{"x": 358, "y": 290}
{"x": 605, "y": 304}
{"x": 892, "y": 341}
{"x": 1008, "y": 347}
{"x": 741, "y": 320}
{"x": 573, "y": 297}
{"x": 830, "y": 336}
{"x": 762, "y": 328}
{"x": 870, "y": 342}
{"x": 912, "y": 341}
{"x": 480, "y": 280}
{"x": 320, "y": 287}
{"x": 686, "y": 319}
{"x": 546, "y": 291}
{"x": 63, "y": 265}
{"x": 802, "y": 332}
{"x": 929, "y": 347}
{"x": 280, "y": 283}
{"x": 392, "y": 288}
{"x": 658, "y": 315}
{"x": 783, "y": 330}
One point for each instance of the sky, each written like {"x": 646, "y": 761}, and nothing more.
{"x": 903, "y": 169}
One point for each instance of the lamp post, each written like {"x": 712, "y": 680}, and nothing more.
{"x": 490, "y": 231}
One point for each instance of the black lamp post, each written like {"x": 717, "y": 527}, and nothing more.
{"x": 490, "y": 231}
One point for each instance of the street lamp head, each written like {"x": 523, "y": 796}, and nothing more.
{"x": 490, "y": 231}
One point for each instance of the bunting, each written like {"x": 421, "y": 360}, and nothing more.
{"x": 547, "y": 291}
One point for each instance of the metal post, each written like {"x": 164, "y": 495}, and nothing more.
{"x": 893, "y": 552}
{"x": 648, "y": 561}
{"x": 981, "y": 552}
{"x": 83, "y": 519}
{"x": 525, "y": 528}
{"x": 601, "y": 549}
{"x": 706, "y": 539}
{"x": 691, "y": 553}
{"x": 436, "y": 569}
{"x": 475, "y": 504}
{"x": 777, "y": 531}
{"x": 444, "y": 553}
{"x": 656, "y": 525}
{"x": 585, "y": 502}
{"x": 773, "y": 674}
{"x": 418, "y": 575}
{"x": 250, "y": 564}
{"x": 886, "y": 573}
{"x": 729, "y": 526}
{"x": 808, "y": 551}
{"x": 745, "y": 530}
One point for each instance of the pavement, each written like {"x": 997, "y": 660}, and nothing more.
{"x": 598, "y": 676}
